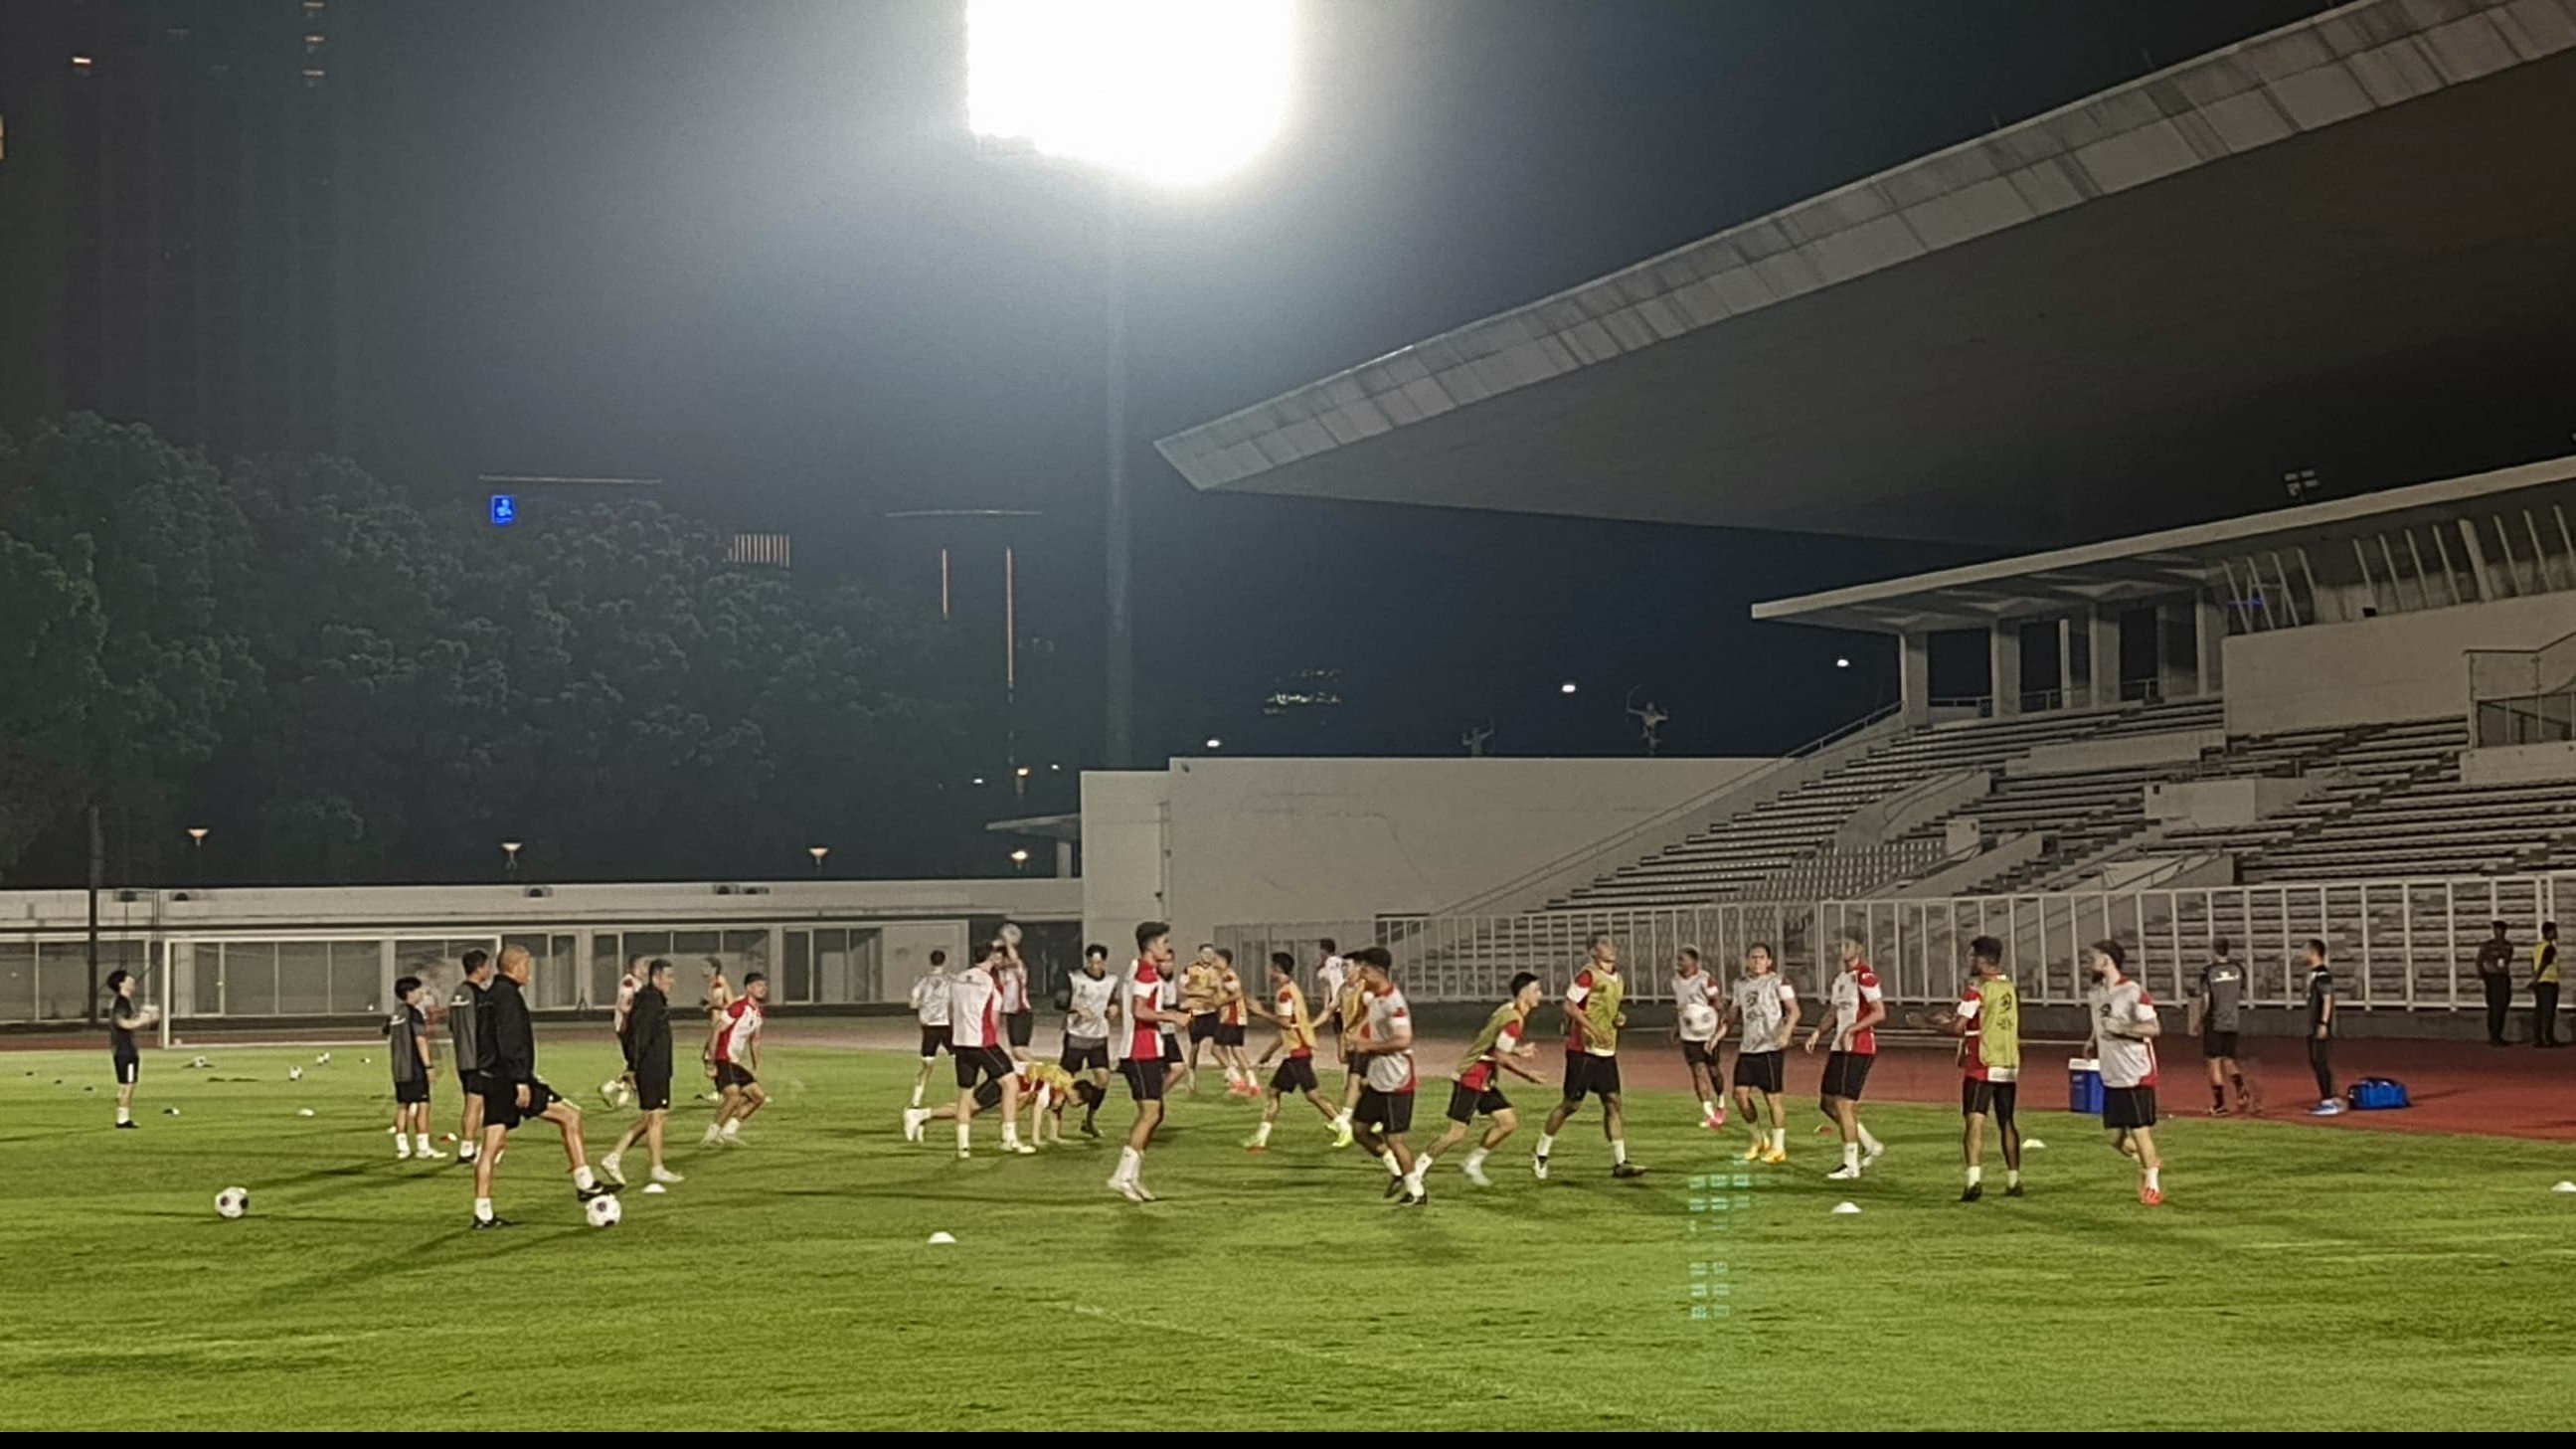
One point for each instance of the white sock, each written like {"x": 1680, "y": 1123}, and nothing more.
{"x": 1342, "y": 1121}
{"x": 1618, "y": 1149}
{"x": 402, "y": 1145}
{"x": 1779, "y": 1139}
{"x": 582, "y": 1179}
{"x": 733, "y": 1127}
{"x": 1851, "y": 1156}
{"x": 465, "y": 1152}
{"x": 916, "y": 1095}
{"x": 1131, "y": 1165}
{"x": 1707, "y": 1108}
{"x": 965, "y": 1135}
{"x": 1011, "y": 1133}
{"x": 2154, "y": 1176}
{"x": 1421, "y": 1167}
{"x": 483, "y": 1209}
{"x": 1261, "y": 1135}
{"x": 1476, "y": 1159}
{"x": 1976, "y": 1174}
{"x": 2012, "y": 1177}
{"x": 1391, "y": 1169}
{"x": 1868, "y": 1143}
{"x": 1544, "y": 1143}
{"x": 122, "y": 1115}
{"x": 424, "y": 1142}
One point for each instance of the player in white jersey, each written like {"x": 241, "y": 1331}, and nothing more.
{"x": 1765, "y": 1006}
{"x": 1385, "y": 1050}
{"x": 1698, "y": 1015}
{"x": 737, "y": 1062}
{"x": 1139, "y": 1048}
{"x": 1091, "y": 1012}
{"x": 976, "y": 1036}
{"x": 2125, "y": 1027}
{"x": 637, "y": 968}
{"x": 1330, "y": 976}
{"x": 930, "y": 1008}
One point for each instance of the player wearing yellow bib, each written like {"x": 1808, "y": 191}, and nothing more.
{"x": 1297, "y": 1044}
{"x": 1592, "y": 1022}
{"x": 1498, "y": 1048}
{"x": 1987, "y": 1022}
{"x": 1350, "y": 1011}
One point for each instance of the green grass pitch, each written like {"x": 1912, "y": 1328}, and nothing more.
{"x": 2300, "y": 1277}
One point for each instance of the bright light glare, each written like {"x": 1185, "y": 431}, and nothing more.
{"x": 1566, "y": 688}
{"x": 1172, "y": 91}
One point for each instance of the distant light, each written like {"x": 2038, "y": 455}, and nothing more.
{"x": 1053, "y": 769}
{"x": 1842, "y": 664}
{"x": 505, "y": 510}
{"x": 1214, "y": 743}
{"x": 1019, "y": 857}
{"x": 1022, "y": 772}
{"x": 80, "y": 62}
{"x": 1566, "y": 688}
{"x": 1172, "y": 91}
{"x": 197, "y": 833}
{"x": 978, "y": 780}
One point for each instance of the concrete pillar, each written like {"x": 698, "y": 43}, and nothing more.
{"x": 2003, "y": 671}
{"x": 2065, "y": 662}
{"x": 2209, "y": 625}
{"x": 1064, "y": 860}
{"x": 2105, "y": 627}
{"x": 1914, "y": 677}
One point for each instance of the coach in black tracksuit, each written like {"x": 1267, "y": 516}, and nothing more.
{"x": 512, "y": 1092}
{"x": 647, "y": 1043}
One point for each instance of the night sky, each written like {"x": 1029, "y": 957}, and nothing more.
{"x": 749, "y": 248}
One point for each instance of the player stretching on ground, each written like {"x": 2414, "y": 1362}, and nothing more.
{"x": 738, "y": 1064}
{"x": 930, "y": 1008}
{"x": 407, "y": 1051}
{"x": 1091, "y": 999}
{"x": 1499, "y": 1047}
{"x": 1987, "y": 1021}
{"x": 1140, "y": 1054}
{"x": 1698, "y": 1002}
{"x": 1042, "y": 1087}
{"x": 648, "y": 1054}
{"x": 1385, "y": 1049}
{"x": 1592, "y": 1022}
{"x": 977, "y": 1027}
{"x": 1765, "y": 1005}
{"x": 2216, "y": 1002}
{"x": 1297, "y": 1039}
{"x": 469, "y": 1031}
{"x": 2124, "y": 1032}
{"x": 125, "y": 1017}
{"x": 1854, "y": 1010}
{"x": 513, "y": 1092}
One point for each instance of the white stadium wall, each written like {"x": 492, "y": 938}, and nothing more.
{"x": 2371, "y": 671}
{"x": 1124, "y": 819}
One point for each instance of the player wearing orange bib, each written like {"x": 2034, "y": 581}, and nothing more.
{"x": 1297, "y": 1041}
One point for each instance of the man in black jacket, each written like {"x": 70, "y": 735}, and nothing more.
{"x": 512, "y": 1092}
{"x": 647, "y": 1041}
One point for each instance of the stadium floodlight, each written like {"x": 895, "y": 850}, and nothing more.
{"x": 510, "y": 851}
{"x": 1168, "y": 91}
{"x": 1566, "y": 688}
{"x": 1214, "y": 743}
{"x": 1842, "y": 663}
{"x": 818, "y": 852}
{"x": 1019, "y": 859}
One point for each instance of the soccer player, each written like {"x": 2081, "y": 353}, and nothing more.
{"x": 1168, "y": 993}
{"x": 648, "y": 1056}
{"x": 1987, "y": 1021}
{"x": 125, "y": 1017}
{"x": 1349, "y": 1010}
{"x": 737, "y": 1053}
{"x": 1141, "y": 1046}
{"x": 719, "y": 1003}
{"x": 1091, "y": 1000}
{"x": 627, "y": 986}
{"x": 2321, "y": 1014}
{"x": 469, "y": 1033}
{"x": 407, "y": 1050}
{"x": 2125, "y": 1028}
{"x": 1042, "y": 1087}
{"x": 1329, "y": 975}
{"x": 1198, "y": 1002}
{"x": 1592, "y": 1022}
{"x": 1011, "y": 980}
{"x": 930, "y": 1008}
{"x": 2217, "y": 1003}
{"x": 513, "y": 1092}
{"x": 1385, "y": 1048}
{"x": 2495, "y": 973}
{"x": 1854, "y": 1008}
{"x": 2544, "y": 988}
{"x": 1233, "y": 1015}
{"x": 1477, "y": 1090}
{"x": 1698, "y": 1000}
{"x": 1297, "y": 1039}
{"x": 1765, "y": 1006}
{"x": 977, "y": 1033}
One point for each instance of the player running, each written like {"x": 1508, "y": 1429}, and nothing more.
{"x": 1140, "y": 1054}
{"x": 1297, "y": 1039}
{"x": 407, "y": 1052}
{"x": 2217, "y": 1001}
{"x": 1350, "y": 1009}
{"x": 2125, "y": 1027}
{"x": 1091, "y": 1000}
{"x": 1233, "y": 1016}
{"x": 648, "y": 1055}
{"x": 1987, "y": 1022}
{"x": 737, "y": 1054}
{"x": 1592, "y": 1022}
{"x": 1385, "y": 1049}
{"x": 513, "y": 1092}
{"x": 978, "y": 1031}
{"x": 1855, "y": 1007}
{"x": 1765, "y": 1006}
{"x": 125, "y": 1017}
{"x": 1500, "y": 1046}
{"x": 1699, "y": 1002}
{"x": 469, "y": 1033}
{"x": 930, "y": 1008}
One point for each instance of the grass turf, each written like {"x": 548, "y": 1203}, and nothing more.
{"x": 2299, "y": 1277}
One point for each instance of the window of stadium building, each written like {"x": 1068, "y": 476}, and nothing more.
{"x": 689, "y": 952}
{"x": 49, "y": 980}
{"x": 292, "y": 977}
{"x": 835, "y": 966}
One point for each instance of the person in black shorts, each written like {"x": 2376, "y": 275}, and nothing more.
{"x": 1146, "y": 1069}
{"x": 1477, "y": 1089}
{"x": 125, "y": 1017}
{"x": 407, "y": 1054}
{"x": 1011, "y": 974}
{"x": 513, "y": 1092}
{"x": 469, "y": 1032}
{"x": 1090, "y": 1001}
{"x": 648, "y": 1052}
{"x": 2217, "y": 1007}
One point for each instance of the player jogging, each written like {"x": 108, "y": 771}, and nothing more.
{"x": 2125, "y": 1027}
{"x": 1330, "y": 973}
{"x": 1140, "y": 1047}
{"x": 1091, "y": 1000}
{"x": 469, "y": 1033}
{"x": 407, "y": 1051}
{"x": 1854, "y": 1008}
{"x": 738, "y": 1089}
{"x": 1698, "y": 1013}
{"x": 648, "y": 1056}
{"x": 1765, "y": 1006}
{"x": 1500, "y": 1046}
{"x": 1385, "y": 1049}
{"x": 978, "y": 1030}
{"x": 1592, "y": 1022}
{"x": 513, "y": 1092}
{"x": 125, "y": 1017}
{"x": 1349, "y": 1009}
{"x": 2217, "y": 1002}
{"x": 1987, "y": 1021}
{"x": 1198, "y": 1002}
{"x": 1233, "y": 1015}
{"x": 930, "y": 1008}
{"x": 1297, "y": 1039}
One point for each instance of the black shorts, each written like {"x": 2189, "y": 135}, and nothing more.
{"x": 415, "y": 1090}
{"x": 471, "y": 1081}
{"x": 1390, "y": 1112}
{"x": 1987, "y": 1099}
{"x": 934, "y": 1040}
{"x": 653, "y": 1094}
{"x": 1084, "y": 1056}
{"x": 1699, "y": 1053}
{"x": 1761, "y": 1071}
{"x": 1144, "y": 1079}
{"x": 734, "y": 1074}
{"x": 2216, "y": 1044}
{"x": 1171, "y": 1047}
{"x": 1586, "y": 1073}
{"x": 1229, "y": 1033}
{"x": 1203, "y": 1026}
{"x": 1846, "y": 1075}
{"x": 981, "y": 1064}
{"x": 501, "y": 1102}
{"x": 2128, "y": 1107}
{"x": 129, "y": 1069}
{"x": 1020, "y": 1025}
{"x": 1466, "y": 1101}
{"x": 1296, "y": 1074}
{"x": 989, "y": 1095}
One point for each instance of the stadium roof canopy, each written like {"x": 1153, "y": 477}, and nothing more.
{"x": 2487, "y": 536}
{"x": 2002, "y": 341}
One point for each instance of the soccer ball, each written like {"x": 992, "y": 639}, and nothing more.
{"x": 323, "y": 1060}
{"x": 232, "y": 1202}
{"x": 295, "y": 1074}
{"x": 1010, "y": 934}
{"x": 1699, "y": 1019}
{"x": 614, "y": 1092}
{"x": 603, "y": 1212}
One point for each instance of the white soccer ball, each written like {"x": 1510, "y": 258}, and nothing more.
{"x": 1010, "y": 934}
{"x": 323, "y": 1060}
{"x": 614, "y": 1091}
{"x": 1699, "y": 1019}
{"x": 603, "y": 1212}
{"x": 232, "y": 1202}
{"x": 295, "y": 1074}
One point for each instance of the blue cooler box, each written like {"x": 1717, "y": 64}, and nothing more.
{"x": 2084, "y": 1086}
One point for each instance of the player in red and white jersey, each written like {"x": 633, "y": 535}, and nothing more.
{"x": 2125, "y": 1028}
{"x": 1855, "y": 1007}
{"x": 737, "y": 1061}
{"x": 1385, "y": 1049}
{"x": 977, "y": 1010}
{"x": 1138, "y": 1047}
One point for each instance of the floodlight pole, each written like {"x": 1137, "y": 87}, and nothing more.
{"x": 1118, "y": 746}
